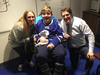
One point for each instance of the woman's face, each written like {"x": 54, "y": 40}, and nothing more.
{"x": 30, "y": 18}
{"x": 46, "y": 17}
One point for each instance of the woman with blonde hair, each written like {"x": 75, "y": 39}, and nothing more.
{"x": 19, "y": 37}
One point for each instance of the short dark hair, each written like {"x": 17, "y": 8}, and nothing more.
{"x": 68, "y": 9}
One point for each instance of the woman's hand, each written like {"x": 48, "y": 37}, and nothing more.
{"x": 34, "y": 39}
{"x": 25, "y": 48}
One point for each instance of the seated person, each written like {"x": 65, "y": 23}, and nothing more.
{"x": 19, "y": 38}
{"x": 48, "y": 32}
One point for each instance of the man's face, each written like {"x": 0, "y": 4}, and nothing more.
{"x": 66, "y": 16}
{"x": 46, "y": 17}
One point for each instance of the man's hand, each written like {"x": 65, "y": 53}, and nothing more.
{"x": 90, "y": 55}
{"x": 66, "y": 36}
{"x": 50, "y": 46}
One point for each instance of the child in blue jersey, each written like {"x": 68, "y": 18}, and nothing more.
{"x": 49, "y": 35}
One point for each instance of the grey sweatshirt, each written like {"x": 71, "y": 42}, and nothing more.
{"x": 17, "y": 36}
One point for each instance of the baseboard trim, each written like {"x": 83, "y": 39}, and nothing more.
{"x": 9, "y": 62}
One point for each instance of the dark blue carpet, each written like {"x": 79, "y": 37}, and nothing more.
{"x": 80, "y": 69}
{"x": 27, "y": 70}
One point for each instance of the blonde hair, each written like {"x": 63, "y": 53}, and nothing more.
{"x": 24, "y": 22}
{"x": 46, "y": 8}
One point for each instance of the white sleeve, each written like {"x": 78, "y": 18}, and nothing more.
{"x": 89, "y": 34}
{"x": 62, "y": 25}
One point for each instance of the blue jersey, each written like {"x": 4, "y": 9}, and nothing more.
{"x": 52, "y": 32}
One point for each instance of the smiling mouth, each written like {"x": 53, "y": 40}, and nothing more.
{"x": 66, "y": 19}
{"x": 46, "y": 18}
{"x": 31, "y": 21}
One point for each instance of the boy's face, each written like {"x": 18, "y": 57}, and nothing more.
{"x": 46, "y": 17}
{"x": 66, "y": 16}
